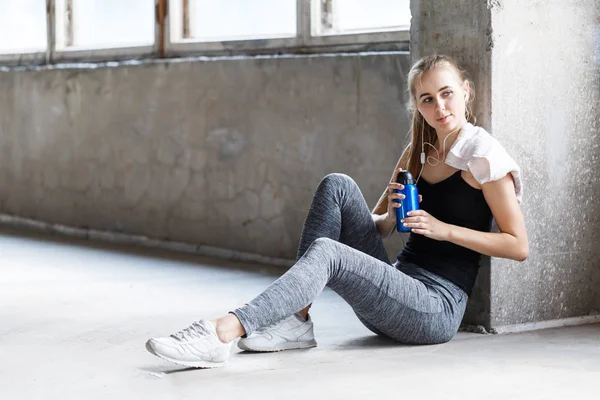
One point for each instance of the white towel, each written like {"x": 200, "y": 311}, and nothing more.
{"x": 478, "y": 152}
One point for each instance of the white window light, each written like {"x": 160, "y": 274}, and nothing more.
{"x": 23, "y": 31}
{"x": 92, "y": 30}
{"x": 340, "y": 17}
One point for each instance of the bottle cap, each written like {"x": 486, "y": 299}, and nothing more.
{"x": 405, "y": 178}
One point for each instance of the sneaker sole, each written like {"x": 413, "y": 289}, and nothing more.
{"x": 281, "y": 347}
{"x": 199, "y": 364}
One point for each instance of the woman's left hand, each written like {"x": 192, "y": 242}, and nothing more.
{"x": 423, "y": 223}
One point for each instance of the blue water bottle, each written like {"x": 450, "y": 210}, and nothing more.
{"x": 410, "y": 202}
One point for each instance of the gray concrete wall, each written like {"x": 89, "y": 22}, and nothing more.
{"x": 540, "y": 61}
{"x": 546, "y": 110}
{"x": 223, "y": 152}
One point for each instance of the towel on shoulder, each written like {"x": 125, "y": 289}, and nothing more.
{"x": 478, "y": 152}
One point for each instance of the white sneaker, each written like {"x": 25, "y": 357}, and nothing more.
{"x": 290, "y": 333}
{"x": 195, "y": 346}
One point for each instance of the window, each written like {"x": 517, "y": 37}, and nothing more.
{"x": 111, "y": 23}
{"x": 23, "y": 26}
{"x": 214, "y": 20}
{"x": 61, "y": 30}
{"x": 242, "y": 26}
{"x": 356, "y": 16}
{"x": 84, "y": 28}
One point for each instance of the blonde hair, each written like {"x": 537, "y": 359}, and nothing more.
{"x": 421, "y": 130}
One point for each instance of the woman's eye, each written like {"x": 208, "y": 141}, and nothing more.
{"x": 448, "y": 93}
{"x": 427, "y": 100}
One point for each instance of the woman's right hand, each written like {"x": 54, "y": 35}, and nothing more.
{"x": 392, "y": 205}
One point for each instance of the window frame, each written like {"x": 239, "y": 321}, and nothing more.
{"x": 62, "y": 53}
{"x": 306, "y": 41}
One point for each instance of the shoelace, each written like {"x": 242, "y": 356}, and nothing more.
{"x": 194, "y": 331}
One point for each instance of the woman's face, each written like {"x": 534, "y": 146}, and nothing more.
{"x": 441, "y": 98}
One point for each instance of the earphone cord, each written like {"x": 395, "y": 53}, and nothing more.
{"x": 437, "y": 159}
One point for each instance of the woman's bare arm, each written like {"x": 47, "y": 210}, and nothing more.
{"x": 511, "y": 242}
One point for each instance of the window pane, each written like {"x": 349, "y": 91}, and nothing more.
{"x": 353, "y": 15}
{"x": 243, "y": 19}
{"x": 22, "y": 26}
{"x": 113, "y": 23}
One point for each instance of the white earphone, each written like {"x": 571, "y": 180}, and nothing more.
{"x": 437, "y": 159}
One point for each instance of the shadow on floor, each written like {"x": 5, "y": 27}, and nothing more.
{"x": 369, "y": 342}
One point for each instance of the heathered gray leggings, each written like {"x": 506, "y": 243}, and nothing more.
{"x": 341, "y": 248}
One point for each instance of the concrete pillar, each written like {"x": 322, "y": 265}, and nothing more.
{"x": 536, "y": 69}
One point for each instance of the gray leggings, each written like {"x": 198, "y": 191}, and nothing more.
{"x": 341, "y": 248}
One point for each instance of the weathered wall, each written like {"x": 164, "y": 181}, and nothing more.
{"x": 222, "y": 152}
{"x": 546, "y": 110}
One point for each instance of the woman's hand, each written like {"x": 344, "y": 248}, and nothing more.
{"x": 423, "y": 223}
{"x": 392, "y": 205}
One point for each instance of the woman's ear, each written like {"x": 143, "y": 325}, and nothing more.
{"x": 467, "y": 90}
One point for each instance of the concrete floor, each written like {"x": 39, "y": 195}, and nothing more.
{"x": 74, "y": 318}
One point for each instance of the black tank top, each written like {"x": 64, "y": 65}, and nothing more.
{"x": 455, "y": 202}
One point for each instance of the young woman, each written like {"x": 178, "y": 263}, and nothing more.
{"x": 468, "y": 184}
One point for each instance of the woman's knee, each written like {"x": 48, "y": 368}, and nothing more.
{"x": 337, "y": 180}
{"x": 324, "y": 244}
{"x": 326, "y": 248}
